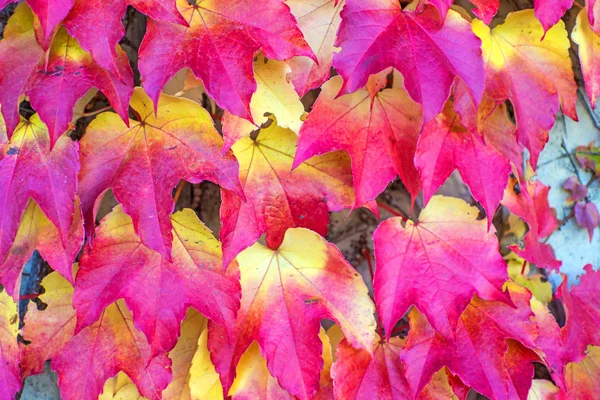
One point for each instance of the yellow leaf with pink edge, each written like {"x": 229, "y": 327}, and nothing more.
{"x": 285, "y": 294}
{"x": 10, "y": 356}
{"x": 542, "y": 389}
{"x": 536, "y": 76}
{"x": 274, "y": 95}
{"x": 589, "y": 55}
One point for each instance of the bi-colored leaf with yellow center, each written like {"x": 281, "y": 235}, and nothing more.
{"x": 380, "y": 135}
{"x": 84, "y": 362}
{"x": 319, "y": 21}
{"x": 378, "y": 34}
{"x": 486, "y": 354}
{"x": 69, "y": 73}
{"x": 157, "y": 290}
{"x": 144, "y": 162}
{"x": 278, "y": 198}
{"x": 29, "y": 168}
{"x": 285, "y": 294}
{"x": 445, "y": 145}
{"x": 36, "y": 232}
{"x": 588, "y": 42}
{"x": 529, "y": 201}
{"x": 20, "y": 53}
{"x": 436, "y": 264}
{"x": 589, "y": 157}
{"x": 274, "y": 95}
{"x": 583, "y": 378}
{"x": 10, "y": 355}
{"x": 56, "y": 80}
{"x": 227, "y": 33}
{"x": 536, "y": 76}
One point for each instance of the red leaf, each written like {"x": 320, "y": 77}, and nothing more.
{"x": 285, "y": 295}
{"x": 278, "y": 198}
{"x": 142, "y": 164}
{"x": 29, "y": 169}
{"x": 436, "y": 264}
{"x": 50, "y": 13}
{"x": 530, "y": 203}
{"x": 485, "y": 9}
{"x": 549, "y": 12}
{"x": 587, "y": 217}
{"x": 445, "y": 145}
{"x": 227, "y": 33}
{"x": 582, "y": 305}
{"x": 156, "y": 290}
{"x": 479, "y": 354}
{"x": 375, "y": 35}
{"x": 578, "y": 191}
{"x": 379, "y": 134}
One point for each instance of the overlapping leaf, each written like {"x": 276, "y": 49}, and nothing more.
{"x": 549, "y": 12}
{"x": 53, "y": 223}
{"x": 378, "y": 34}
{"x": 226, "y": 33}
{"x": 416, "y": 262}
{"x": 85, "y": 361}
{"x": 10, "y": 375}
{"x": 319, "y": 22}
{"x": 588, "y": 42}
{"x": 285, "y": 294}
{"x": 536, "y": 76}
{"x": 583, "y": 378}
{"x": 144, "y": 162}
{"x": 156, "y": 289}
{"x": 278, "y": 198}
{"x": 380, "y": 135}
{"x": 56, "y": 80}
{"x": 529, "y": 201}
{"x": 445, "y": 145}
{"x": 274, "y": 95}
{"x": 482, "y": 355}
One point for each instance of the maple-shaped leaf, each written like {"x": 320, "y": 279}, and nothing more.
{"x": 20, "y": 54}
{"x": 227, "y": 33}
{"x": 380, "y": 135}
{"x": 274, "y": 95}
{"x": 85, "y": 361}
{"x": 536, "y": 76}
{"x": 319, "y": 21}
{"x": 143, "y": 163}
{"x": 436, "y": 264}
{"x": 529, "y": 201}
{"x": 285, "y": 294}
{"x": 10, "y": 356}
{"x": 445, "y": 145}
{"x": 582, "y": 305}
{"x": 589, "y": 157}
{"x": 549, "y": 12}
{"x": 30, "y": 169}
{"x": 583, "y": 378}
{"x": 378, "y": 34}
{"x": 98, "y": 28}
{"x": 588, "y": 43}
{"x": 586, "y": 216}
{"x": 66, "y": 75}
{"x": 36, "y": 232}
{"x": 156, "y": 289}
{"x": 480, "y": 355}
{"x": 278, "y": 198}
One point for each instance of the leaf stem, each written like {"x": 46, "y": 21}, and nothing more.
{"x": 367, "y": 255}
{"x": 576, "y": 4}
{"x": 29, "y": 296}
{"x": 95, "y": 112}
{"x": 178, "y": 191}
{"x": 392, "y": 210}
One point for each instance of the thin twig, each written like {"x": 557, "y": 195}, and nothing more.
{"x": 95, "y": 112}
{"x": 178, "y": 191}
{"x": 392, "y": 210}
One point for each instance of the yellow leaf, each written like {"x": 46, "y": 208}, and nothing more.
{"x": 120, "y": 388}
{"x": 542, "y": 390}
{"x": 589, "y": 54}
